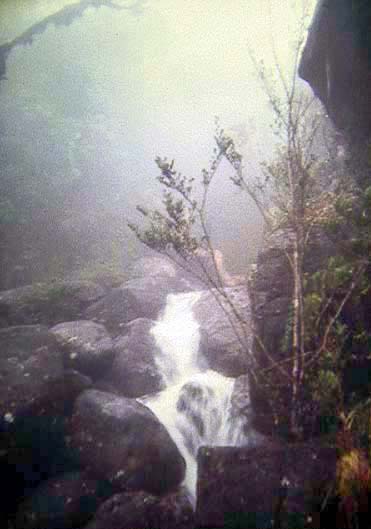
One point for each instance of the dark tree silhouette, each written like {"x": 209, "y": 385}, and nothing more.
{"x": 63, "y": 17}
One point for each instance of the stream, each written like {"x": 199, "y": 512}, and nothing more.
{"x": 195, "y": 406}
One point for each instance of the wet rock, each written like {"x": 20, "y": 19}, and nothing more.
{"x": 285, "y": 483}
{"x": 220, "y": 344}
{"x": 63, "y": 502}
{"x": 241, "y": 402}
{"x": 121, "y": 440}
{"x": 241, "y": 393}
{"x": 270, "y": 291}
{"x": 140, "y": 510}
{"x": 143, "y": 297}
{"x": 30, "y": 365}
{"x": 202, "y": 272}
{"x": 32, "y": 449}
{"x": 35, "y": 396}
{"x": 107, "y": 387}
{"x": 193, "y": 275}
{"x": 211, "y": 271}
{"x": 134, "y": 372}
{"x": 32, "y": 435}
{"x": 162, "y": 269}
{"x": 48, "y": 303}
{"x": 242, "y": 411}
{"x": 153, "y": 266}
{"x": 86, "y": 346}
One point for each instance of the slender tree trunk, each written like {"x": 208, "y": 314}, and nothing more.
{"x": 298, "y": 330}
{"x": 293, "y": 425}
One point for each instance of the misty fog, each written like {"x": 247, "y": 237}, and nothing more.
{"x": 88, "y": 101}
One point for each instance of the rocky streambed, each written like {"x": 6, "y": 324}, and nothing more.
{"x": 82, "y": 442}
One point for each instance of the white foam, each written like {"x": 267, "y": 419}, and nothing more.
{"x": 195, "y": 405}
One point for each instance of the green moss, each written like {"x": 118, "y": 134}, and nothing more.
{"x": 52, "y": 292}
{"x": 105, "y": 274}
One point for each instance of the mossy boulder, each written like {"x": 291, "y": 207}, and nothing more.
{"x": 47, "y": 303}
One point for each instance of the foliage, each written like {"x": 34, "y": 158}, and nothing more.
{"x": 353, "y": 485}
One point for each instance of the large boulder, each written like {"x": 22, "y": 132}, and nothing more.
{"x": 134, "y": 372}
{"x": 151, "y": 279}
{"x": 66, "y": 501}
{"x": 121, "y": 440}
{"x": 336, "y": 62}
{"x": 141, "y": 510}
{"x": 32, "y": 444}
{"x": 86, "y": 346}
{"x": 30, "y": 367}
{"x": 154, "y": 266}
{"x": 254, "y": 486}
{"x": 197, "y": 273}
{"x": 143, "y": 297}
{"x": 47, "y": 303}
{"x": 208, "y": 271}
{"x": 224, "y": 340}
{"x": 36, "y": 394}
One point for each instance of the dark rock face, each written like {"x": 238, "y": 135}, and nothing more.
{"x": 270, "y": 291}
{"x": 257, "y": 485}
{"x": 47, "y": 304}
{"x": 134, "y": 372}
{"x": 35, "y": 396}
{"x": 219, "y": 344}
{"x": 32, "y": 450}
{"x": 336, "y": 62}
{"x": 86, "y": 346}
{"x": 122, "y": 441}
{"x": 30, "y": 366}
{"x": 140, "y": 510}
{"x": 66, "y": 501}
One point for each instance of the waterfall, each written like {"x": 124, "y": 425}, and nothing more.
{"x": 195, "y": 405}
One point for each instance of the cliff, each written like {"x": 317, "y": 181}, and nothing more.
{"x": 336, "y": 62}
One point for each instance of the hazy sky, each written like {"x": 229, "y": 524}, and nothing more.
{"x": 172, "y": 69}
{"x": 155, "y": 80}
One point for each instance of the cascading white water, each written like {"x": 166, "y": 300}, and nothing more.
{"x": 195, "y": 405}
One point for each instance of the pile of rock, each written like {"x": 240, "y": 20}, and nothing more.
{"x": 78, "y": 450}
{"x": 74, "y": 358}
